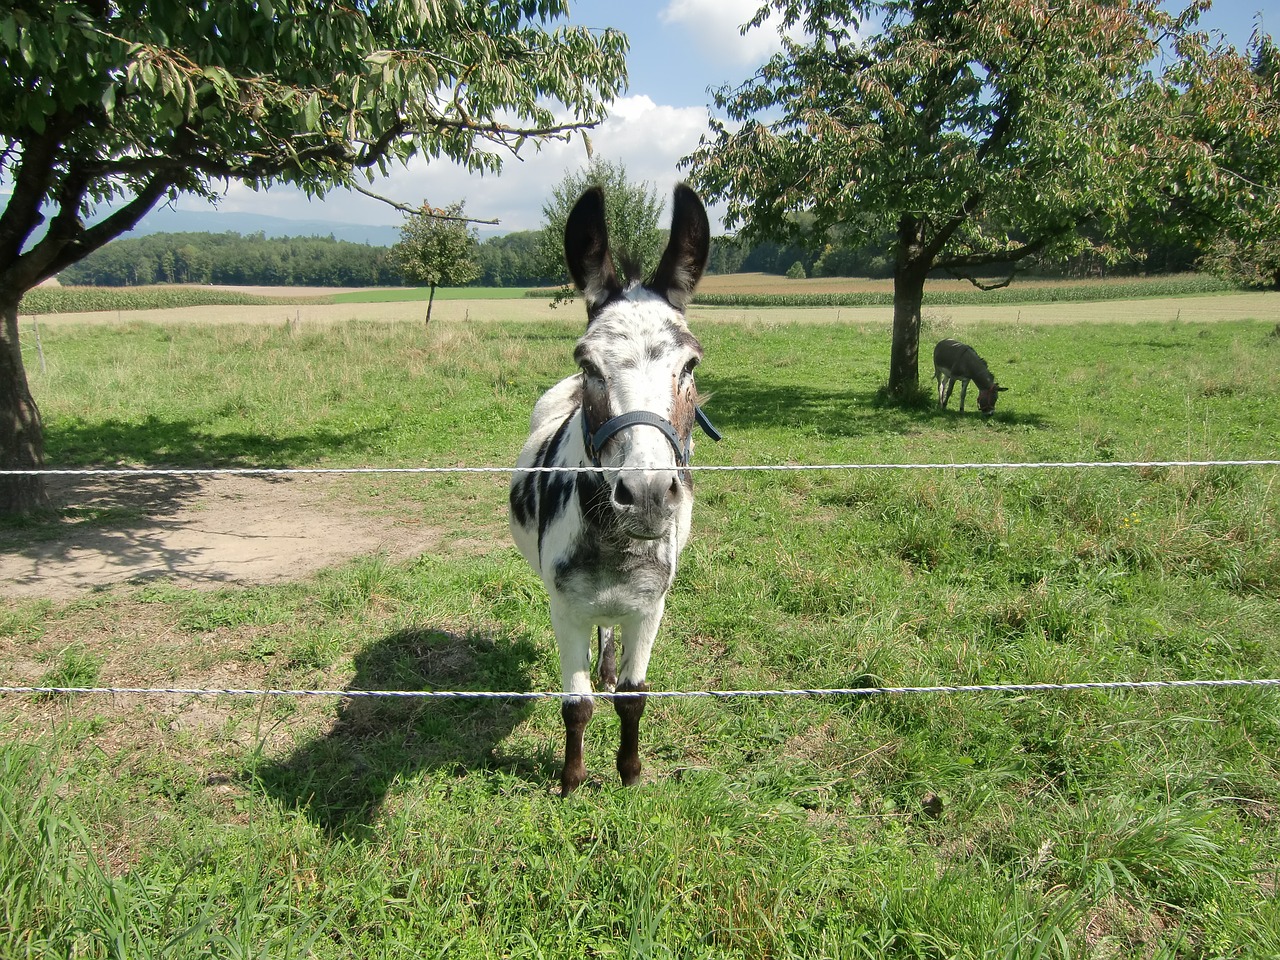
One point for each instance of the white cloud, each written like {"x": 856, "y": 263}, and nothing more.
{"x": 649, "y": 139}
{"x": 716, "y": 25}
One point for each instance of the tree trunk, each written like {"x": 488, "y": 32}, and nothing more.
{"x": 430, "y": 300}
{"x": 909, "y": 272}
{"x": 21, "y": 432}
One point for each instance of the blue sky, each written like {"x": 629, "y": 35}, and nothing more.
{"x": 679, "y": 50}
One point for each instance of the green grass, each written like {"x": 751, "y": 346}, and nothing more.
{"x": 1126, "y": 824}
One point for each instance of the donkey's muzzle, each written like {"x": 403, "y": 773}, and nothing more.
{"x": 646, "y": 503}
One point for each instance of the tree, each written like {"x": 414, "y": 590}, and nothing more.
{"x": 976, "y": 134}
{"x": 437, "y": 247}
{"x": 1233, "y": 103}
{"x": 631, "y": 214}
{"x": 137, "y": 101}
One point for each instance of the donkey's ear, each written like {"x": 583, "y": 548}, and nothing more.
{"x": 686, "y": 255}
{"x": 586, "y": 251}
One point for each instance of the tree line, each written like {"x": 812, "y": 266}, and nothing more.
{"x": 258, "y": 260}
{"x": 510, "y": 260}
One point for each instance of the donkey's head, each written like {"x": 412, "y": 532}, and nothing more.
{"x": 637, "y": 357}
{"x": 987, "y": 398}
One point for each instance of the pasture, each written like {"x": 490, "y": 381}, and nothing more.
{"x": 1060, "y": 825}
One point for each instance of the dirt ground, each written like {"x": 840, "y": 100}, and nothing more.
{"x": 202, "y": 532}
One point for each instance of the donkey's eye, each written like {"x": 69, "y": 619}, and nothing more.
{"x": 688, "y": 369}
{"x": 592, "y": 372}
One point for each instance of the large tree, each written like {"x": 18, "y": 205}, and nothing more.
{"x": 1232, "y": 103}
{"x": 980, "y": 135}
{"x": 132, "y": 102}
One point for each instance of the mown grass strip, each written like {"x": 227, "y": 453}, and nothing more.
{"x": 403, "y": 294}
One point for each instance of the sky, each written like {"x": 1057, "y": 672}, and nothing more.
{"x": 680, "y": 51}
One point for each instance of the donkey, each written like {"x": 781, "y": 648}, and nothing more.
{"x": 606, "y": 542}
{"x": 952, "y": 361}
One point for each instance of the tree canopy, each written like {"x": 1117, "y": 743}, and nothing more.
{"x": 974, "y": 134}
{"x": 437, "y": 247}
{"x": 631, "y": 215}
{"x": 135, "y": 101}
{"x": 1230, "y": 190}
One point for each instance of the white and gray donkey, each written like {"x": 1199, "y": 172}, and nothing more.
{"x": 952, "y": 361}
{"x": 606, "y": 542}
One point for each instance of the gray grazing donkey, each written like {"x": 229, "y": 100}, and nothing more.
{"x": 952, "y": 361}
{"x": 606, "y": 542}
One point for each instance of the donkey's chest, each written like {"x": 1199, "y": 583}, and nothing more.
{"x": 612, "y": 580}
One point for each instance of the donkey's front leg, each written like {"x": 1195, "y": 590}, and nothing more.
{"x": 637, "y": 644}
{"x": 573, "y": 637}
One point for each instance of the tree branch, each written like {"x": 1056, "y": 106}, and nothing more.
{"x": 434, "y": 212}
{"x": 957, "y": 265}
{"x": 69, "y": 241}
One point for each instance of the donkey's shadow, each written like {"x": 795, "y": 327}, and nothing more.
{"x": 341, "y": 779}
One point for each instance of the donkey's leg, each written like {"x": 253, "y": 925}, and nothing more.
{"x": 573, "y": 637}
{"x": 637, "y": 644}
{"x": 964, "y": 388}
{"x": 607, "y": 669}
{"x": 945, "y": 386}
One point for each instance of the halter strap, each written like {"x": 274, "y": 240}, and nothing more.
{"x": 595, "y": 442}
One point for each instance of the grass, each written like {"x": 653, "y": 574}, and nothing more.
{"x": 424, "y": 293}
{"x": 1126, "y": 824}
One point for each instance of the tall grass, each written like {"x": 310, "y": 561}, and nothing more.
{"x": 1119, "y": 824}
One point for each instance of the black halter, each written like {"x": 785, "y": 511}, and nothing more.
{"x": 595, "y": 442}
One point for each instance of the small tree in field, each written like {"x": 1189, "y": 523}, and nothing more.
{"x": 631, "y": 215}
{"x": 438, "y": 248}
{"x": 980, "y": 136}
{"x": 139, "y": 101}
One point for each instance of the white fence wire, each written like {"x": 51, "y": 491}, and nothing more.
{"x": 1006, "y": 688}
{"x": 697, "y": 468}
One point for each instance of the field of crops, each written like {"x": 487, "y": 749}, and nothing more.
{"x": 1050, "y": 825}
{"x": 733, "y": 290}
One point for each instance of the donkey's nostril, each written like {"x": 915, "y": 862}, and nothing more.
{"x": 622, "y": 495}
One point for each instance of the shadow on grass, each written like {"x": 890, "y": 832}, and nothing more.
{"x": 740, "y": 403}
{"x": 189, "y": 443}
{"x": 341, "y": 779}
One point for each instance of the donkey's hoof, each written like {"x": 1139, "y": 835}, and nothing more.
{"x": 629, "y": 770}
{"x": 571, "y": 780}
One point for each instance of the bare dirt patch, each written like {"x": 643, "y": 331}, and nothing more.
{"x": 193, "y": 531}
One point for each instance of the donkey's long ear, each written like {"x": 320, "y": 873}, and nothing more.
{"x": 686, "y": 255}
{"x": 586, "y": 251}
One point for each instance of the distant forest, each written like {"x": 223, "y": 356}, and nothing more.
{"x": 505, "y": 261}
